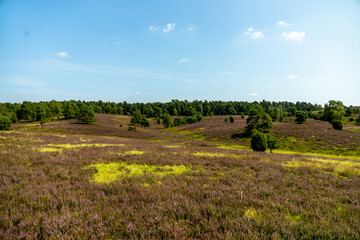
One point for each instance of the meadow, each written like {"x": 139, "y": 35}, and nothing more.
{"x": 66, "y": 180}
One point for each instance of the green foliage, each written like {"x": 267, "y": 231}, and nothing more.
{"x": 232, "y": 119}
{"x": 358, "y": 120}
{"x": 301, "y": 117}
{"x": 139, "y": 119}
{"x": 226, "y": 120}
{"x": 337, "y": 124}
{"x": 166, "y": 120}
{"x": 85, "y": 114}
{"x": 334, "y": 110}
{"x": 26, "y": 112}
{"x": 258, "y": 142}
{"x": 274, "y": 113}
{"x": 5, "y": 123}
{"x": 132, "y": 129}
{"x": 272, "y": 142}
{"x": 177, "y": 122}
{"x": 70, "y": 110}
{"x": 258, "y": 120}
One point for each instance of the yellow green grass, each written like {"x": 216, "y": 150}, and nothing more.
{"x": 282, "y": 151}
{"x": 60, "y": 147}
{"x": 111, "y": 172}
{"x": 343, "y": 169}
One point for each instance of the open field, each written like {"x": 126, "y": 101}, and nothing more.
{"x": 100, "y": 181}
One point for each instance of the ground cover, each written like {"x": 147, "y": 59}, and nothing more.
{"x": 131, "y": 185}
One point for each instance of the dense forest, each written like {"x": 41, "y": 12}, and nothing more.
{"x": 38, "y": 111}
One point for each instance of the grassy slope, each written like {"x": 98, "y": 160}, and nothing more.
{"x": 178, "y": 183}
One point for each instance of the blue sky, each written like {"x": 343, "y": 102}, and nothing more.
{"x": 146, "y": 51}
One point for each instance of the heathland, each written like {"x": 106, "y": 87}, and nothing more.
{"x": 64, "y": 180}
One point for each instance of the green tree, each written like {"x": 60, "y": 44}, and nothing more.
{"x": 334, "y": 110}
{"x": 5, "y": 123}
{"x": 26, "y": 112}
{"x": 232, "y": 119}
{"x": 358, "y": 120}
{"x": 85, "y": 114}
{"x": 166, "y": 119}
{"x": 226, "y": 119}
{"x": 70, "y": 110}
{"x": 301, "y": 117}
{"x": 258, "y": 142}
{"x": 258, "y": 120}
{"x": 272, "y": 142}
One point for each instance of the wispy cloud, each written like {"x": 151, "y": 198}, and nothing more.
{"x": 253, "y": 94}
{"x": 293, "y": 35}
{"x": 254, "y": 34}
{"x": 183, "y": 60}
{"x": 283, "y": 23}
{"x": 169, "y": 27}
{"x": 292, "y": 76}
{"x": 192, "y": 27}
{"x": 137, "y": 93}
{"x": 63, "y": 54}
{"x": 152, "y": 28}
{"x": 23, "y": 80}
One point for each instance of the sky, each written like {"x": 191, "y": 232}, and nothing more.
{"x": 150, "y": 51}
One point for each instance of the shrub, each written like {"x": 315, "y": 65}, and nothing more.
{"x": 5, "y": 123}
{"x": 232, "y": 119}
{"x": 120, "y": 125}
{"x": 351, "y": 119}
{"x": 166, "y": 120}
{"x": 337, "y": 124}
{"x": 132, "y": 129}
{"x": 300, "y": 117}
{"x": 358, "y": 120}
{"x": 258, "y": 142}
{"x": 226, "y": 120}
{"x": 177, "y": 121}
{"x": 190, "y": 119}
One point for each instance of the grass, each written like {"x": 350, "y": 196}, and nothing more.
{"x": 111, "y": 172}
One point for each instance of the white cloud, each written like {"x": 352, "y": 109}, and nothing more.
{"x": 137, "y": 93}
{"x": 152, "y": 28}
{"x": 169, "y": 27}
{"x": 254, "y": 35}
{"x": 283, "y": 23}
{"x": 191, "y": 28}
{"x": 292, "y": 76}
{"x": 253, "y": 94}
{"x": 295, "y": 36}
{"x": 63, "y": 54}
{"x": 183, "y": 60}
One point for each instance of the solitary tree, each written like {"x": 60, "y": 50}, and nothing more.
{"x": 334, "y": 113}
{"x": 272, "y": 142}
{"x": 258, "y": 120}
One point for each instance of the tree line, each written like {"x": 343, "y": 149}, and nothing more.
{"x": 84, "y": 110}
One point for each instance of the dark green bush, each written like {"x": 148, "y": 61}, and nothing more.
{"x": 177, "y": 121}
{"x": 258, "y": 142}
{"x": 232, "y": 119}
{"x": 5, "y": 123}
{"x": 301, "y": 117}
{"x": 337, "y": 124}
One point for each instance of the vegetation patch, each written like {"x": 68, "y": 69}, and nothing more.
{"x": 252, "y": 213}
{"x": 111, "y": 172}
{"x": 344, "y": 169}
